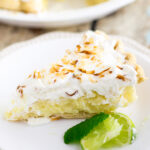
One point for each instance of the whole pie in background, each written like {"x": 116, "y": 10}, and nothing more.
{"x": 34, "y": 6}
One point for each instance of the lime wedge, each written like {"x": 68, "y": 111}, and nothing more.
{"x": 102, "y": 130}
{"x": 102, "y": 133}
{"x": 76, "y": 133}
{"x": 127, "y": 134}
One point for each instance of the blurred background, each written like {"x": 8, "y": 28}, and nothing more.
{"x": 132, "y": 21}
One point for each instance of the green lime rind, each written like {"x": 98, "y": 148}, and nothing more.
{"x": 101, "y": 134}
{"x": 133, "y": 135}
{"x": 76, "y": 133}
{"x": 133, "y": 132}
{"x": 127, "y": 134}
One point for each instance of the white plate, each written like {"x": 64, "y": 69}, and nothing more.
{"x": 70, "y": 12}
{"x": 20, "y": 59}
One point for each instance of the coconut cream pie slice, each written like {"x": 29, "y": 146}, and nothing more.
{"x": 97, "y": 76}
{"x": 31, "y": 6}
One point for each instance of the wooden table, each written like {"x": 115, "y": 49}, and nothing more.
{"x": 132, "y": 21}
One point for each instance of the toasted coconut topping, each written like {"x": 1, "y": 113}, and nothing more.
{"x": 59, "y": 65}
{"x": 121, "y": 68}
{"x": 82, "y": 70}
{"x": 116, "y": 45}
{"x": 74, "y": 62}
{"x": 87, "y": 43}
{"x": 78, "y": 47}
{"x": 65, "y": 73}
{"x": 68, "y": 70}
{"x": 54, "y": 69}
{"x": 87, "y": 52}
{"x": 76, "y": 76}
{"x": 30, "y": 75}
{"x": 90, "y": 72}
{"x": 21, "y": 92}
{"x": 100, "y": 73}
{"x": 19, "y": 86}
{"x": 65, "y": 61}
{"x": 97, "y": 62}
{"x": 34, "y": 74}
{"x": 72, "y": 93}
{"x": 93, "y": 58}
{"x": 101, "y": 76}
{"x": 121, "y": 77}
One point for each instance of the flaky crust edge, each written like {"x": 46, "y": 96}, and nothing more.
{"x": 130, "y": 59}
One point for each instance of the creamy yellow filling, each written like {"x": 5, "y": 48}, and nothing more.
{"x": 94, "y": 2}
{"x": 72, "y": 107}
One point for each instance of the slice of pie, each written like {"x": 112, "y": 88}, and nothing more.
{"x": 31, "y": 6}
{"x": 97, "y": 76}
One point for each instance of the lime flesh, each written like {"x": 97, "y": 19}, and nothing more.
{"x": 104, "y": 132}
{"x": 127, "y": 134}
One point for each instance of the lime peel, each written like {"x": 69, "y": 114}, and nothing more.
{"x": 76, "y": 133}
